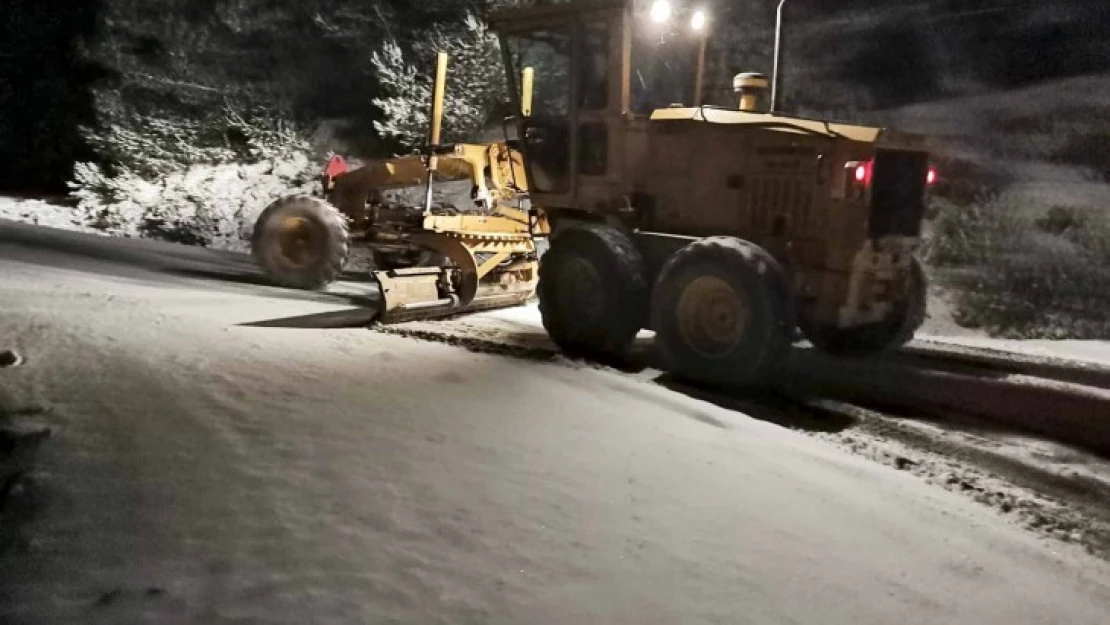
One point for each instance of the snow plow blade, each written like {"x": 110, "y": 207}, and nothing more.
{"x": 415, "y": 294}
{"x": 479, "y": 272}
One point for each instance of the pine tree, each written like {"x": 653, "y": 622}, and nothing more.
{"x": 475, "y": 84}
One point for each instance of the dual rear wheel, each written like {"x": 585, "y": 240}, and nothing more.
{"x": 593, "y": 292}
{"x": 720, "y": 307}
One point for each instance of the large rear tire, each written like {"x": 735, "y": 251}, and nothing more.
{"x": 722, "y": 312}
{"x": 301, "y": 242}
{"x": 593, "y": 292}
{"x": 893, "y": 332}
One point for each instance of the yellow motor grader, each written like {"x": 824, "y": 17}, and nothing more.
{"x": 721, "y": 229}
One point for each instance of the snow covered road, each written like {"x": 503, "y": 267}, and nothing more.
{"x": 219, "y": 460}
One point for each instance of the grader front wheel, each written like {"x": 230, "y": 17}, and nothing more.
{"x": 301, "y": 242}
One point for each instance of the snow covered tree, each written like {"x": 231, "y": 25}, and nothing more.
{"x": 475, "y": 82}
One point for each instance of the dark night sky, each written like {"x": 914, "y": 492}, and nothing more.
{"x": 898, "y": 51}
{"x": 44, "y": 90}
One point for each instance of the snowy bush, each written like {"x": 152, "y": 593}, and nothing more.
{"x": 1022, "y": 276}
{"x": 193, "y": 182}
{"x": 208, "y": 205}
{"x": 475, "y": 82}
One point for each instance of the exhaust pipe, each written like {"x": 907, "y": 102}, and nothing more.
{"x": 776, "y": 74}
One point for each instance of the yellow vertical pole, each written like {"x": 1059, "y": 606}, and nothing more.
{"x": 437, "y": 99}
{"x": 527, "y": 86}
{"x": 434, "y": 138}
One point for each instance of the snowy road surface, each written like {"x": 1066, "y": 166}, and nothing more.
{"x": 209, "y": 468}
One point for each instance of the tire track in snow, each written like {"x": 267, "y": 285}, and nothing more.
{"x": 1041, "y": 503}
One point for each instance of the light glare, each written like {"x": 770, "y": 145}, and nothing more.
{"x": 660, "y": 11}
{"x": 698, "y": 21}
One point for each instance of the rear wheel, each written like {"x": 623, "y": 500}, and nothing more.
{"x": 592, "y": 292}
{"x": 891, "y": 333}
{"x": 722, "y": 312}
{"x": 301, "y": 242}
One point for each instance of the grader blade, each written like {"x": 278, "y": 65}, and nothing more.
{"x": 409, "y": 291}
{"x": 403, "y": 303}
{"x": 481, "y": 272}
{"x": 422, "y": 293}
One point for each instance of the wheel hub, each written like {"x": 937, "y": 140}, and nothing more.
{"x": 712, "y": 316}
{"x": 298, "y": 241}
{"x": 581, "y": 289}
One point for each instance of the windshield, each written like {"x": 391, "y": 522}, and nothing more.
{"x": 664, "y": 69}
{"x": 548, "y": 53}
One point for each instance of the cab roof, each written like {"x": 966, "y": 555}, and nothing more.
{"x": 785, "y": 123}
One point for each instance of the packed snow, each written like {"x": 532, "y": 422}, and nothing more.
{"x": 41, "y": 213}
{"x": 217, "y": 458}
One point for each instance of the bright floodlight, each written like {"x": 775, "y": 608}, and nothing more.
{"x": 698, "y": 21}
{"x": 660, "y": 11}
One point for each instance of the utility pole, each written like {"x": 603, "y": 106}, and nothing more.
{"x": 703, "y": 43}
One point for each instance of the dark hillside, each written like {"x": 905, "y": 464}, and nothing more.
{"x": 45, "y": 82}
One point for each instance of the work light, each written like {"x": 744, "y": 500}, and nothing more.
{"x": 660, "y": 11}
{"x": 697, "y": 22}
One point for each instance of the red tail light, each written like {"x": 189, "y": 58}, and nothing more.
{"x": 932, "y": 177}
{"x": 861, "y": 172}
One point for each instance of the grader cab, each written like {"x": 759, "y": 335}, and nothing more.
{"x": 722, "y": 229}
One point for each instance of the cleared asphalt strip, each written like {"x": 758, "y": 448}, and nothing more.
{"x": 942, "y": 384}
{"x": 1066, "y": 412}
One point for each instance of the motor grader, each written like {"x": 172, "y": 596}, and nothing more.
{"x": 721, "y": 229}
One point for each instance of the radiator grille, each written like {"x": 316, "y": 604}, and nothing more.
{"x": 782, "y": 204}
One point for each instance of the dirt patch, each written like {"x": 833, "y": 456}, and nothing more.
{"x": 9, "y": 358}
